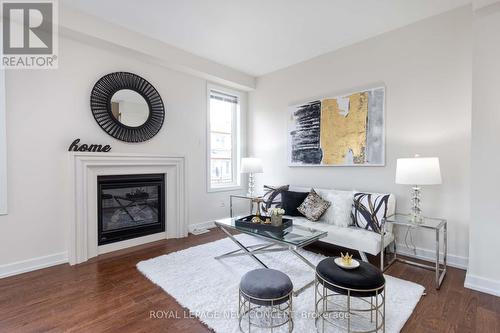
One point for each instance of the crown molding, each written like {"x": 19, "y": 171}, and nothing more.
{"x": 77, "y": 25}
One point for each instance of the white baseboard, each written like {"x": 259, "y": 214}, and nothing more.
{"x": 201, "y": 226}
{"x": 481, "y": 284}
{"x": 430, "y": 255}
{"x": 33, "y": 264}
{"x": 61, "y": 258}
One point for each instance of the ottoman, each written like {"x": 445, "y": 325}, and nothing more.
{"x": 355, "y": 296}
{"x": 265, "y": 299}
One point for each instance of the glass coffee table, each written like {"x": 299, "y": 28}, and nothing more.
{"x": 291, "y": 239}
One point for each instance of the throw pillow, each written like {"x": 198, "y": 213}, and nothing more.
{"x": 290, "y": 201}
{"x": 313, "y": 206}
{"x": 272, "y": 196}
{"x": 339, "y": 213}
{"x": 369, "y": 210}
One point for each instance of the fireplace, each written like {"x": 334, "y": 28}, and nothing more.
{"x": 130, "y": 206}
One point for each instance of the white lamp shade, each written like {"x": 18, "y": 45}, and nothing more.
{"x": 418, "y": 171}
{"x": 251, "y": 165}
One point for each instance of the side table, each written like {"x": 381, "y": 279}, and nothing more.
{"x": 241, "y": 196}
{"x": 436, "y": 225}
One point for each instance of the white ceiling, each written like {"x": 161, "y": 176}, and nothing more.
{"x": 261, "y": 36}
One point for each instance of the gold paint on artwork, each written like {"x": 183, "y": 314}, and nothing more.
{"x": 344, "y": 130}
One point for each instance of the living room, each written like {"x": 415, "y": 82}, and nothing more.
{"x": 232, "y": 166}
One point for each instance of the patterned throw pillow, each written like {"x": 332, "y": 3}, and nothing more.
{"x": 313, "y": 206}
{"x": 369, "y": 210}
{"x": 272, "y": 197}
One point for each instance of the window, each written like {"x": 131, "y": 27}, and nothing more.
{"x": 223, "y": 139}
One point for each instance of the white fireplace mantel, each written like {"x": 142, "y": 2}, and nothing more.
{"x": 86, "y": 167}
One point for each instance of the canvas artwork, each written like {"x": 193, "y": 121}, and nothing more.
{"x": 345, "y": 130}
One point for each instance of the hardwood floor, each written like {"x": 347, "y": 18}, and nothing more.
{"x": 108, "y": 294}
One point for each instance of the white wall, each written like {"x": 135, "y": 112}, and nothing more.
{"x": 426, "y": 68}
{"x": 484, "y": 270}
{"x": 3, "y": 147}
{"x": 48, "y": 109}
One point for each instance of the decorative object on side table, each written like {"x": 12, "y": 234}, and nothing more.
{"x": 251, "y": 165}
{"x": 438, "y": 226}
{"x": 418, "y": 171}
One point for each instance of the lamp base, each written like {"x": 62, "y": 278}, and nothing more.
{"x": 251, "y": 185}
{"x": 416, "y": 212}
{"x": 417, "y": 219}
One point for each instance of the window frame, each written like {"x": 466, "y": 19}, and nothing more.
{"x": 3, "y": 146}
{"x": 236, "y": 183}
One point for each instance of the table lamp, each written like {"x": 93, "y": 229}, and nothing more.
{"x": 251, "y": 165}
{"x": 417, "y": 171}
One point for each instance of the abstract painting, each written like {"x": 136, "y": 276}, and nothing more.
{"x": 345, "y": 130}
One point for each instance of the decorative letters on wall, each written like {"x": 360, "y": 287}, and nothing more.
{"x": 74, "y": 146}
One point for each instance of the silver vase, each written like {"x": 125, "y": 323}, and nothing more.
{"x": 276, "y": 220}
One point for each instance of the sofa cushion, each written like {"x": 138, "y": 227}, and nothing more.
{"x": 369, "y": 210}
{"x": 339, "y": 212}
{"x": 351, "y": 237}
{"x": 313, "y": 206}
{"x": 290, "y": 201}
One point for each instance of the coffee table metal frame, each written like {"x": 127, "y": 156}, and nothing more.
{"x": 273, "y": 245}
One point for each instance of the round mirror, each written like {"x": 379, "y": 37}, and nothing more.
{"x": 129, "y": 108}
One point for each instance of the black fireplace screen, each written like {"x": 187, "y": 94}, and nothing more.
{"x": 130, "y": 206}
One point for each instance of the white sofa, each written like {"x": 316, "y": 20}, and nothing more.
{"x": 350, "y": 237}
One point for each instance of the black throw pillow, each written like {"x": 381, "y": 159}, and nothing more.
{"x": 290, "y": 201}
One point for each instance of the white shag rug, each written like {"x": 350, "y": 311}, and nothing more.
{"x": 209, "y": 287}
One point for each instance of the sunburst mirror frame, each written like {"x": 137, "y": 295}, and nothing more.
{"x": 100, "y": 103}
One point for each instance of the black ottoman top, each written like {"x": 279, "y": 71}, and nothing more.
{"x": 365, "y": 277}
{"x": 265, "y": 283}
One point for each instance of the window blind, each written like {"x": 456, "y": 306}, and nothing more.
{"x": 223, "y": 97}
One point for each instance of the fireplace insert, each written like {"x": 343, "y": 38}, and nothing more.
{"x": 130, "y": 206}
